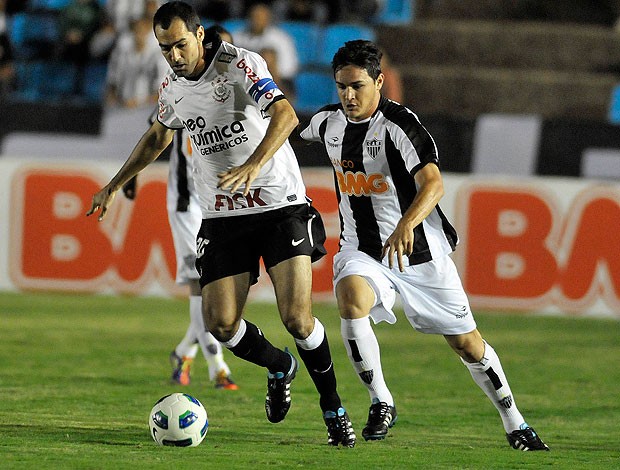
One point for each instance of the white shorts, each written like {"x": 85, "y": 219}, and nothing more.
{"x": 432, "y": 294}
{"x": 184, "y": 227}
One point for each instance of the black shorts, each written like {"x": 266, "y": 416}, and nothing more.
{"x": 227, "y": 246}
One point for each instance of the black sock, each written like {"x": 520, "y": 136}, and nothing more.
{"x": 321, "y": 369}
{"x": 255, "y": 348}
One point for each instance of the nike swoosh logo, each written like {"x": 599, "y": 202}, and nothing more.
{"x": 297, "y": 242}
{"x": 260, "y": 88}
{"x": 177, "y": 101}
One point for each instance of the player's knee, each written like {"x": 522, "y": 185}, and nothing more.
{"x": 222, "y": 332}
{"x": 298, "y": 326}
{"x": 351, "y": 311}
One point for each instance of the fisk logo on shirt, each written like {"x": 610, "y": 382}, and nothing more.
{"x": 361, "y": 184}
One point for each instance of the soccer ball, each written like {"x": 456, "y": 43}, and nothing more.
{"x": 178, "y": 420}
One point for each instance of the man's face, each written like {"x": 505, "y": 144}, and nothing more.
{"x": 182, "y": 49}
{"x": 358, "y": 92}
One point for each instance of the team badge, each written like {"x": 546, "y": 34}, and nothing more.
{"x": 221, "y": 88}
{"x": 373, "y": 147}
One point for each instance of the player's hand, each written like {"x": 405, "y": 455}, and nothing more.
{"x": 130, "y": 188}
{"x": 238, "y": 176}
{"x": 399, "y": 243}
{"x": 101, "y": 200}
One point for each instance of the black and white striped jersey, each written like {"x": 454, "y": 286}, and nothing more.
{"x": 374, "y": 162}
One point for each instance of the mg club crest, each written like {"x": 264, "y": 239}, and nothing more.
{"x": 373, "y": 147}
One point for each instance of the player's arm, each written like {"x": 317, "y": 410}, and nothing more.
{"x": 283, "y": 121}
{"x": 430, "y": 191}
{"x": 150, "y": 146}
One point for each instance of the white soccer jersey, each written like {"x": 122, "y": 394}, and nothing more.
{"x": 374, "y": 162}
{"x": 225, "y": 113}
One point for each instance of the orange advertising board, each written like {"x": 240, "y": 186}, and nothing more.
{"x": 527, "y": 244}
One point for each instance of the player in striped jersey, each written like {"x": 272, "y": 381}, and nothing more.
{"x": 253, "y": 203}
{"x": 395, "y": 239}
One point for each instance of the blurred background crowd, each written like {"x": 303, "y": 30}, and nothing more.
{"x": 65, "y": 63}
{"x": 104, "y": 50}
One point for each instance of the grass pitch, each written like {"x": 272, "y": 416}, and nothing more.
{"x": 79, "y": 375}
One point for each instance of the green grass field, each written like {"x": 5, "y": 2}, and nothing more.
{"x": 79, "y": 375}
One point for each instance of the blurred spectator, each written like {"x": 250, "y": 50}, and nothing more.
{"x": 302, "y": 10}
{"x": 104, "y": 40}
{"x": 77, "y": 23}
{"x": 136, "y": 67}
{"x": 392, "y": 80}
{"x": 123, "y": 13}
{"x": 217, "y": 10}
{"x": 261, "y": 34}
{"x": 7, "y": 71}
{"x": 358, "y": 11}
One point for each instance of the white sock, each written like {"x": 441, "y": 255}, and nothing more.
{"x": 188, "y": 346}
{"x": 211, "y": 348}
{"x": 363, "y": 351}
{"x": 314, "y": 339}
{"x": 489, "y": 375}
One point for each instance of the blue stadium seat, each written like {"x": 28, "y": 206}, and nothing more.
{"x": 306, "y": 37}
{"x": 33, "y": 34}
{"x": 28, "y": 85}
{"x": 395, "y": 12}
{"x": 614, "y": 106}
{"x": 313, "y": 91}
{"x": 48, "y": 4}
{"x": 95, "y": 82}
{"x": 57, "y": 80}
{"x": 232, "y": 25}
{"x": 334, "y": 36}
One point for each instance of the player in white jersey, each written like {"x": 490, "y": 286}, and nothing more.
{"x": 253, "y": 203}
{"x": 185, "y": 217}
{"x": 388, "y": 185}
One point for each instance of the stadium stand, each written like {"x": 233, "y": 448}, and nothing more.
{"x": 315, "y": 89}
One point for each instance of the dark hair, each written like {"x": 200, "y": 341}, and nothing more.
{"x": 166, "y": 13}
{"x": 362, "y": 53}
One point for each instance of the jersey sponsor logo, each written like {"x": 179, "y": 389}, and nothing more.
{"x": 226, "y": 57}
{"x": 334, "y": 142}
{"x": 216, "y": 139}
{"x": 164, "y": 84}
{"x": 361, "y": 184}
{"x": 262, "y": 88}
{"x": 342, "y": 163}
{"x": 221, "y": 89}
{"x": 248, "y": 70}
{"x": 239, "y": 201}
{"x": 373, "y": 147}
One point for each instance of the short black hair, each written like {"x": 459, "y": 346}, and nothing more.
{"x": 361, "y": 53}
{"x": 166, "y": 13}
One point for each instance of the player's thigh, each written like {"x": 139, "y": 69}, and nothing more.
{"x": 292, "y": 282}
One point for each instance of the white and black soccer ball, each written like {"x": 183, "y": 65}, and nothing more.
{"x": 178, "y": 420}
